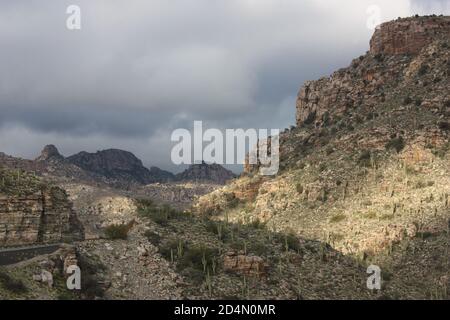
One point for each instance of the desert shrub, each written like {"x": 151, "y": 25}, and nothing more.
{"x": 418, "y": 102}
{"x": 258, "y": 248}
{"x": 379, "y": 57}
{"x": 386, "y": 217}
{"x": 407, "y": 100}
{"x": 198, "y": 258}
{"x": 420, "y": 184}
{"x": 322, "y": 167}
{"x": 232, "y": 200}
{"x": 423, "y": 69}
{"x": 424, "y": 235}
{"x": 442, "y": 150}
{"x": 311, "y": 118}
{"x": 299, "y": 188}
{"x": 153, "y": 237}
{"x": 257, "y": 224}
{"x": 118, "y": 231}
{"x": 291, "y": 242}
{"x": 397, "y": 144}
{"x": 364, "y": 158}
{"x": 160, "y": 214}
{"x": 444, "y": 125}
{"x": 329, "y": 150}
{"x": 337, "y": 218}
{"x": 12, "y": 285}
{"x": 195, "y": 276}
{"x": 218, "y": 228}
{"x": 173, "y": 248}
{"x": 370, "y": 215}
{"x": 90, "y": 268}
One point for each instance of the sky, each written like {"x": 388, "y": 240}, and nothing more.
{"x": 137, "y": 70}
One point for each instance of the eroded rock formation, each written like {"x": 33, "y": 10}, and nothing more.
{"x": 398, "y": 52}
{"x": 45, "y": 216}
{"x": 408, "y": 36}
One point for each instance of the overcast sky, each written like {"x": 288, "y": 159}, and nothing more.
{"x": 139, "y": 69}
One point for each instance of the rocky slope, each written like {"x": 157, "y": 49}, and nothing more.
{"x": 367, "y": 168}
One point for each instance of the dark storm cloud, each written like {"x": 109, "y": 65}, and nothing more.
{"x": 138, "y": 69}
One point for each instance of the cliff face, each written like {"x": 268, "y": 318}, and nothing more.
{"x": 31, "y": 213}
{"x": 399, "y": 50}
{"x": 408, "y": 36}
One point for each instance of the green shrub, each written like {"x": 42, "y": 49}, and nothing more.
{"x": 172, "y": 248}
{"x": 291, "y": 242}
{"x": 258, "y": 248}
{"x": 199, "y": 258}
{"x": 12, "y": 285}
{"x": 220, "y": 229}
{"x": 418, "y": 102}
{"x": 257, "y": 224}
{"x": 444, "y": 126}
{"x": 337, "y": 218}
{"x": 442, "y": 150}
{"x": 153, "y": 237}
{"x": 407, "y": 100}
{"x": 396, "y": 143}
{"x": 423, "y": 69}
{"x": 118, "y": 231}
{"x": 160, "y": 214}
{"x": 322, "y": 167}
{"x": 364, "y": 158}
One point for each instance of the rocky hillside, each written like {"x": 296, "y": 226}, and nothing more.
{"x": 204, "y": 172}
{"x": 367, "y": 168}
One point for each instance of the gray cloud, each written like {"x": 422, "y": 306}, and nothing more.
{"x": 139, "y": 69}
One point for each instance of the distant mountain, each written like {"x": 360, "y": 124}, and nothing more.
{"x": 119, "y": 165}
{"x": 50, "y": 153}
{"x": 114, "y": 167}
{"x": 204, "y": 172}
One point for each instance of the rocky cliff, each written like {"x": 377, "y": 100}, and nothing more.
{"x": 410, "y": 35}
{"x": 32, "y": 212}
{"x": 205, "y": 172}
{"x": 398, "y": 59}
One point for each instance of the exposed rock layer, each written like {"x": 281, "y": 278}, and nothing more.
{"x": 408, "y": 36}
{"x": 43, "y": 217}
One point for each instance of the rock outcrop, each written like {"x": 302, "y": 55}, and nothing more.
{"x": 243, "y": 264}
{"x": 408, "y": 36}
{"x": 205, "y": 172}
{"x": 50, "y": 153}
{"x": 397, "y": 55}
{"x": 35, "y": 213}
